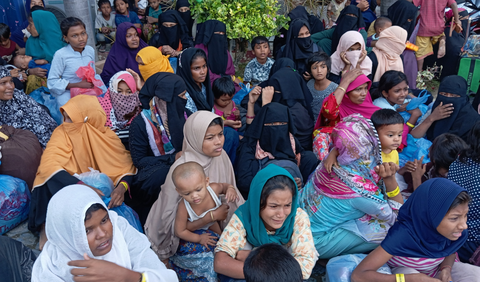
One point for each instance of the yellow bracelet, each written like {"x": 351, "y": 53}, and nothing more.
{"x": 144, "y": 277}
{"x": 341, "y": 88}
{"x": 224, "y": 118}
{"x": 125, "y": 185}
{"x": 399, "y": 277}
{"x": 410, "y": 125}
{"x": 211, "y": 214}
{"x": 394, "y": 192}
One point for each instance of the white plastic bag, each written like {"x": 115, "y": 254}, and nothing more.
{"x": 339, "y": 269}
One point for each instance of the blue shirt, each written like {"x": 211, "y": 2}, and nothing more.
{"x": 65, "y": 63}
{"x": 131, "y": 18}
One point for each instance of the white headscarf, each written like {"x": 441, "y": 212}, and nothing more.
{"x": 67, "y": 240}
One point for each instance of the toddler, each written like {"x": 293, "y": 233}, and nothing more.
{"x": 333, "y": 11}
{"x": 124, "y": 15}
{"x": 24, "y": 62}
{"x": 152, "y": 13}
{"x": 319, "y": 66}
{"x": 258, "y": 69}
{"x": 380, "y": 25}
{"x": 200, "y": 199}
{"x": 105, "y": 25}
{"x": 8, "y": 47}
{"x": 432, "y": 24}
{"x": 223, "y": 90}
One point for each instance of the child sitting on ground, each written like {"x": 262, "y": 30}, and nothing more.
{"x": 200, "y": 199}
{"x": 223, "y": 90}
{"x": 152, "y": 13}
{"x": 258, "y": 69}
{"x": 8, "y": 47}
{"x": 125, "y": 15}
{"x": 380, "y": 25}
{"x": 105, "y": 25}
{"x": 431, "y": 27}
{"x": 319, "y": 66}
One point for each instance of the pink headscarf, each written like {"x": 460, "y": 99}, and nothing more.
{"x": 388, "y": 49}
{"x": 347, "y": 107}
{"x": 347, "y": 40}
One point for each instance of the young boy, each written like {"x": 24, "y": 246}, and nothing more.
{"x": 380, "y": 25}
{"x": 105, "y": 25}
{"x": 8, "y": 47}
{"x": 125, "y": 15}
{"x": 223, "y": 90}
{"x": 319, "y": 66}
{"x": 200, "y": 199}
{"x": 258, "y": 69}
{"x": 432, "y": 24}
{"x": 153, "y": 11}
{"x": 258, "y": 266}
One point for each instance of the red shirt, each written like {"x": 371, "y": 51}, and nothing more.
{"x": 6, "y": 53}
{"x": 432, "y": 14}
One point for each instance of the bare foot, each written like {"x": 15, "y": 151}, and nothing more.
{"x": 43, "y": 237}
{"x": 441, "y": 48}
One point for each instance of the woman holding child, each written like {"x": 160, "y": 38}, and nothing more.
{"x": 203, "y": 143}
{"x": 347, "y": 204}
{"x": 271, "y": 215}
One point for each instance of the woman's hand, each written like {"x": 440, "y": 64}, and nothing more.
{"x": 236, "y": 124}
{"x": 402, "y": 108}
{"x": 138, "y": 80}
{"x": 349, "y": 77}
{"x": 343, "y": 56}
{"x": 441, "y": 111}
{"x": 208, "y": 240}
{"x": 221, "y": 213}
{"x": 386, "y": 170}
{"x": 95, "y": 270}
{"x": 242, "y": 255}
{"x": 117, "y": 197}
{"x": 331, "y": 160}
{"x": 361, "y": 59}
{"x": 363, "y": 5}
{"x": 267, "y": 95}
{"x": 38, "y": 72}
{"x": 167, "y": 50}
{"x": 254, "y": 94}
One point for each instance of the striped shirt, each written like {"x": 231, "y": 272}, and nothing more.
{"x": 426, "y": 266}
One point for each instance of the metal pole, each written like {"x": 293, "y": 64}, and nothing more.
{"x": 81, "y": 9}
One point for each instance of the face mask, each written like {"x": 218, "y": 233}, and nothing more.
{"x": 353, "y": 57}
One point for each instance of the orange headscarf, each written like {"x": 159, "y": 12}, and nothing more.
{"x": 84, "y": 143}
{"x": 153, "y": 61}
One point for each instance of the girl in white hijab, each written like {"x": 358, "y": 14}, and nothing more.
{"x": 84, "y": 239}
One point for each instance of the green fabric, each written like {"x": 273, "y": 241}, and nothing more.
{"x": 249, "y": 212}
{"x": 324, "y": 40}
{"x": 153, "y": 13}
{"x": 49, "y": 38}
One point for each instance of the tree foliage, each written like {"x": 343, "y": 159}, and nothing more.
{"x": 244, "y": 18}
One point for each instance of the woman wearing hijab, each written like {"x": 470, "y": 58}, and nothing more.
{"x": 156, "y": 137}
{"x": 81, "y": 142}
{"x": 18, "y": 35}
{"x": 48, "y": 39}
{"x": 86, "y": 241}
{"x": 257, "y": 223}
{"x": 121, "y": 104}
{"x": 315, "y": 25}
{"x": 203, "y": 142}
{"x": 124, "y": 52}
{"x": 270, "y": 138}
{"x": 387, "y": 51}
{"x": 172, "y": 36}
{"x": 299, "y": 46}
{"x": 404, "y": 14}
{"x": 183, "y": 8}
{"x": 193, "y": 68}
{"x": 351, "y": 96}
{"x": 212, "y": 38}
{"x": 453, "y": 90}
{"x": 291, "y": 90}
{"x": 350, "y": 19}
{"x": 349, "y": 209}
{"x": 22, "y": 112}
{"x": 151, "y": 61}
{"x": 420, "y": 248}
{"x": 350, "y": 54}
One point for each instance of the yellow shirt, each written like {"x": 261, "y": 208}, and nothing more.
{"x": 391, "y": 158}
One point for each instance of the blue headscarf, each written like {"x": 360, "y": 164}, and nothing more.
{"x": 415, "y": 232}
{"x": 249, "y": 212}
